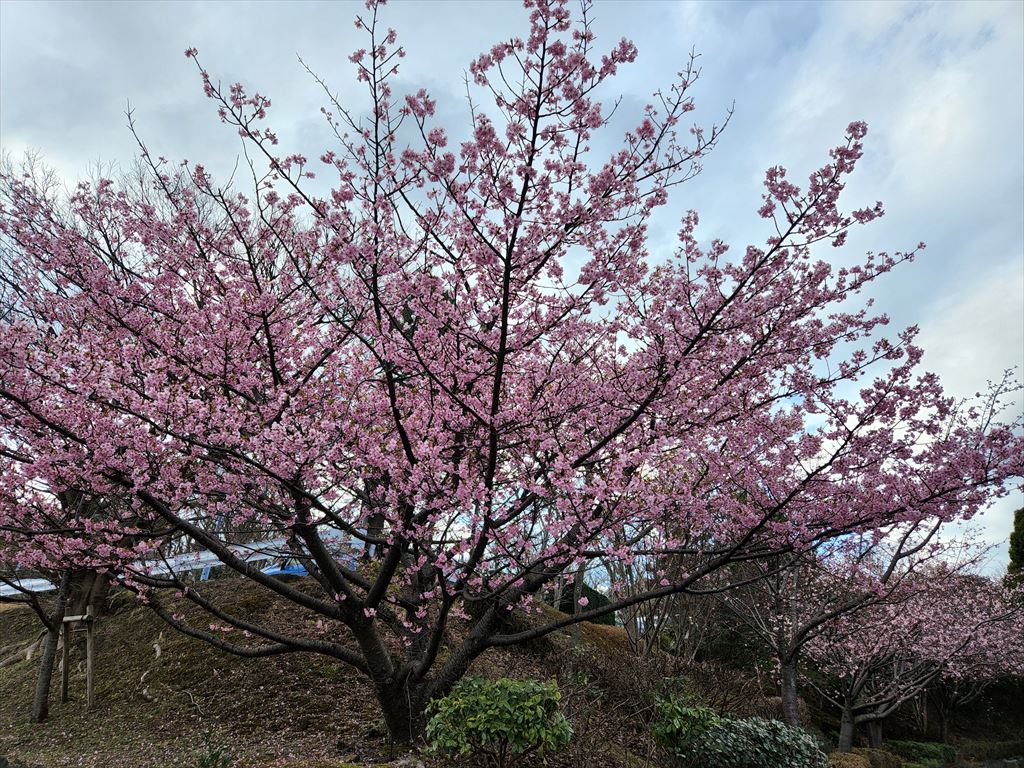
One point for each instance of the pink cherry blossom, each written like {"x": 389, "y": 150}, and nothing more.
{"x": 464, "y": 360}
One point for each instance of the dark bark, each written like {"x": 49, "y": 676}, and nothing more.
{"x": 846, "y": 729}
{"x": 88, "y": 588}
{"x": 374, "y": 530}
{"x": 54, "y": 622}
{"x": 404, "y": 710}
{"x": 41, "y": 700}
{"x": 402, "y": 697}
{"x": 944, "y": 725}
{"x": 875, "y": 734}
{"x": 577, "y": 594}
{"x": 790, "y": 704}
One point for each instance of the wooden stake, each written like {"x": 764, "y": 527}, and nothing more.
{"x": 65, "y": 662}
{"x": 90, "y": 642}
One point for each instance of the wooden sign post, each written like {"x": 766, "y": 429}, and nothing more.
{"x": 90, "y": 645}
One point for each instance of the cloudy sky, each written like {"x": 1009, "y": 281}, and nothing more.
{"x": 941, "y": 86}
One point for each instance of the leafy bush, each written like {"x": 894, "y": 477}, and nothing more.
{"x": 499, "y": 720}
{"x": 847, "y": 760}
{"x": 751, "y": 743}
{"x": 923, "y": 751}
{"x": 879, "y": 758}
{"x": 679, "y": 722}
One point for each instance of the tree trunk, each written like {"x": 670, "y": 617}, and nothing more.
{"x": 577, "y": 594}
{"x": 943, "y": 725}
{"x": 875, "y": 734}
{"x": 402, "y": 700}
{"x": 88, "y": 588}
{"x": 921, "y": 706}
{"x": 404, "y": 710}
{"x": 41, "y": 700}
{"x": 374, "y": 529}
{"x": 790, "y": 704}
{"x": 846, "y": 727}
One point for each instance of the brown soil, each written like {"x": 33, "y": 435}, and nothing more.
{"x": 158, "y": 710}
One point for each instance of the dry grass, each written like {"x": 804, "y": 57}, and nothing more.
{"x": 160, "y": 711}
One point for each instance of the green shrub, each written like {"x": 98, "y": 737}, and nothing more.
{"x": 923, "y": 751}
{"x": 753, "y": 743}
{"x": 847, "y": 760}
{"x": 679, "y": 722}
{"x": 992, "y": 750}
{"x": 499, "y": 720}
{"x": 878, "y": 758}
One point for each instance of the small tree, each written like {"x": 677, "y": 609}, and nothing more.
{"x": 44, "y": 545}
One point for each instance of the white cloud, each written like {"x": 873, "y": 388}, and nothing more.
{"x": 972, "y": 335}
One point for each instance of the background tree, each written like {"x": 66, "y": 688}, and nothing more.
{"x": 788, "y": 607}
{"x": 996, "y": 655}
{"x": 53, "y": 544}
{"x": 1016, "y": 565}
{"x": 683, "y": 624}
{"x": 870, "y": 663}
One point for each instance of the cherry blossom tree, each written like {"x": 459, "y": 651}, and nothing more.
{"x": 787, "y": 608}
{"x": 940, "y": 624}
{"x": 995, "y": 654}
{"x": 48, "y": 542}
{"x": 465, "y": 359}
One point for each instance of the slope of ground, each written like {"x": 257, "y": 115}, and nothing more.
{"x": 166, "y": 700}
{"x": 163, "y": 699}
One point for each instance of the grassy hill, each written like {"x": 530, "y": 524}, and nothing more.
{"x": 165, "y": 700}
{"x": 162, "y": 698}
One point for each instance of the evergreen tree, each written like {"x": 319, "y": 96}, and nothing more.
{"x": 1015, "y": 569}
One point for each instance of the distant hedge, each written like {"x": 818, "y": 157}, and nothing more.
{"x": 594, "y": 600}
{"x": 847, "y": 760}
{"x": 924, "y": 752}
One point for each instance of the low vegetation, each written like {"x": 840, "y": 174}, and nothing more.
{"x": 166, "y": 700}
{"x": 502, "y": 721}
